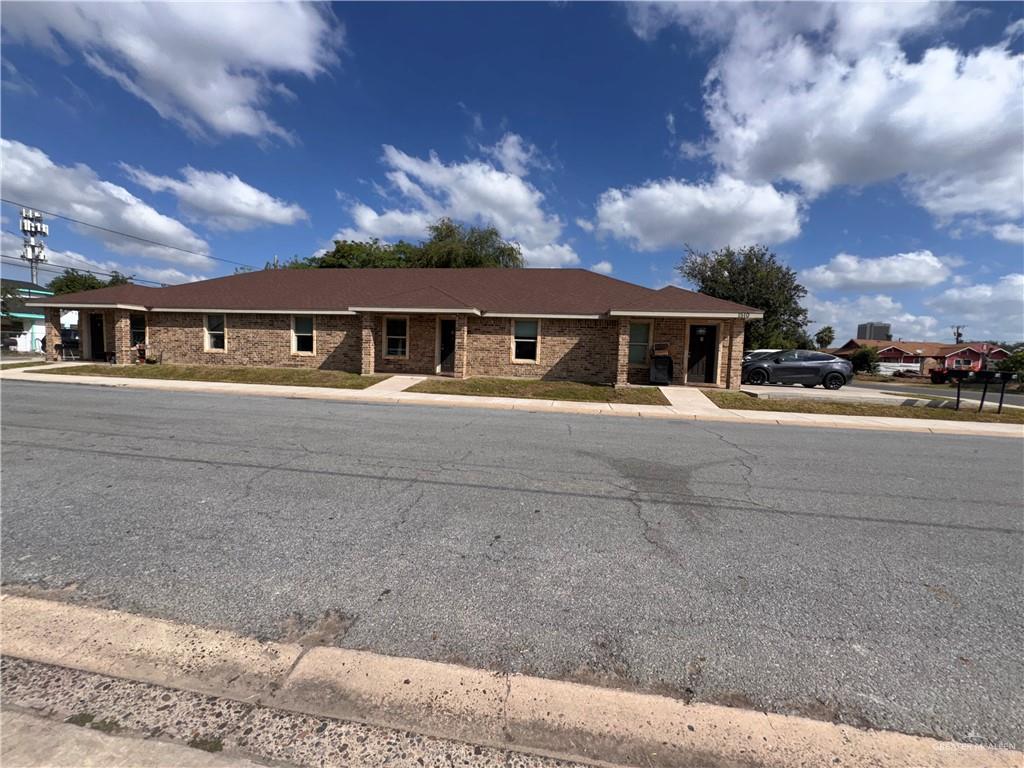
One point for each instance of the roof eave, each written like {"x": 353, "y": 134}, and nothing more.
{"x": 745, "y": 315}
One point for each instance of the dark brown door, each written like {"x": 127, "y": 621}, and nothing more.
{"x": 447, "y": 346}
{"x": 700, "y": 363}
{"x": 97, "y": 345}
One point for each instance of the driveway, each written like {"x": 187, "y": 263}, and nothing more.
{"x": 1012, "y": 398}
{"x": 845, "y": 394}
{"x": 867, "y": 577}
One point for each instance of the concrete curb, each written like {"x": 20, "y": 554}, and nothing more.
{"x": 366, "y": 396}
{"x": 549, "y": 717}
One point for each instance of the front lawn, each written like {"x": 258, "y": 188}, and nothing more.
{"x": 28, "y": 364}
{"x": 542, "y": 390}
{"x": 745, "y": 402}
{"x": 295, "y": 377}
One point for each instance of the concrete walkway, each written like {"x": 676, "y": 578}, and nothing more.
{"x": 395, "y": 383}
{"x": 685, "y": 403}
{"x": 35, "y": 742}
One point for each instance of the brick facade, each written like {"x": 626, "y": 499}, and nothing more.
{"x": 257, "y": 340}
{"x": 594, "y": 351}
{"x": 568, "y": 350}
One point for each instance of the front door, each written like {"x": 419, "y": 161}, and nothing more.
{"x": 700, "y": 361}
{"x": 446, "y": 346}
{"x": 97, "y": 346}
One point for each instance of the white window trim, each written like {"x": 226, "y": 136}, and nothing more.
{"x": 295, "y": 349}
{"x": 206, "y": 334}
{"x": 650, "y": 342}
{"x": 512, "y": 349}
{"x": 384, "y": 337}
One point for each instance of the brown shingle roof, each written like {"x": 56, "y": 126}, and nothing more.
{"x": 512, "y": 291}
{"x": 917, "y": 348}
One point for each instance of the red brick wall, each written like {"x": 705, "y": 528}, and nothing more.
{"x": 256, "y": 339}
{"x": 571, "y": 350}
{"x": 421, "y": 345}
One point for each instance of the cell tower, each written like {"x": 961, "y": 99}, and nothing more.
{"x": 33, "y": 248}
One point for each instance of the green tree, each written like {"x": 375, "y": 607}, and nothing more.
{"x": 753, "y": 276}
{"x": 450, "y": 245}
{"x": 825, "y": 336}
{"x": 1015, "y": 363}
{"x": 72, "y": 281}
{"x": 865, "y": 360}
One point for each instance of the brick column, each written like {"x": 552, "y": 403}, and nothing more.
{"x": 734, "y": 368}
{"x": 52, "y": 332}
{"x": 369, "y": 344}
{"x": 461, "y": 351}
{"x": 122, "y": 336}
{"x": 622, "y": 360}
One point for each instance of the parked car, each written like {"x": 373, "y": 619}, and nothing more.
{"x": 798, "y": 366}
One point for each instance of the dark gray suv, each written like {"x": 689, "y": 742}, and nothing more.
{"x": 798, "y": 366}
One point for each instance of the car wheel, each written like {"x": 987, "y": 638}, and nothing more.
{"x": 758, "y": 377}
{"x": 834, "y": 380}
{"x": 810, "y": 386}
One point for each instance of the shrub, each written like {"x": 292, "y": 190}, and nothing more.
{"x": 865, "y": 360}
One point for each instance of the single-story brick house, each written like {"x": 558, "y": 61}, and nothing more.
{"x": 568, "y": 324}
{"x": 966, "y": 356}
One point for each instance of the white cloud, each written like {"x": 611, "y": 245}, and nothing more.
{"x": 604, "y": 267}
{"x": 669, "y": 213}
{"x": 990, "y": 310}
{"x": 550, "y": 255}
{"x": 1009, "y": 233}
{"x": 209, "y": 67}
{"x": 585, "y": 224}
{"x": 221, "y": 200}
{"x": 917, "y": 269}
{"x": 515, "y": 155}
{"x": 844, "y": 315}
{"x": 824, "y": 96}
{"x": 29, "y": 176}
{"x": 473, "y": 191}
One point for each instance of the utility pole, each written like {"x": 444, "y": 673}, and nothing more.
{"x": 33, "y": 248}
{"x": 958, "y": 333}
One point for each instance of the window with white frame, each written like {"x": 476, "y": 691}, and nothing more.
{"x": 524, "y": 340}
{"x": 396, "y": 337}
{"x": 963, "y": 362}
{"x": 639, "y": 342}
{"x": 302, "y": 334}
{"x": 215, "y": 332}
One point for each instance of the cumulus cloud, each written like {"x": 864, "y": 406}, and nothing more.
{"x": 209, "y": 67}
{"x": 916, "y": 269}
{"x": 845, "y": 314}
{"x": 29, "y": 176}
{"x": 604, "y": 267}
{"x": 990, "y": 310}
{"x": 515, "y": 155}
{"x": 473, "y": 191}
{"x": 825, "y": 95}
{"x": 670, "y": 213}
{"x": 221, "y": 200}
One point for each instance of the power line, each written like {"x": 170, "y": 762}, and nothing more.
{"x": 125, "y": 234}
{"x": 58, "y": 269}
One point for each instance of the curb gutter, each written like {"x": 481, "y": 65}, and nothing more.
{"x": 661, "y": 412}
{"x": 559, "y": 719}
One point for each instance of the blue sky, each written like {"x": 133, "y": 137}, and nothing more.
{"x": 877, "y": 148}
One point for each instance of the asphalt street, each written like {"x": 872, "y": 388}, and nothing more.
{"x": 869, "y": 577}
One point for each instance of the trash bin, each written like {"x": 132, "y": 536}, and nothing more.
{"x": 661, "y": 365}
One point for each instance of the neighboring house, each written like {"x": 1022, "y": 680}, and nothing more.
{"x": 567, "y": 324}
{"x": 23, "y": 329}
{"x": 924, "y": 355}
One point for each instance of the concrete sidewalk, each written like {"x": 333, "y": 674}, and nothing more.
{"x": 35, "y": 742}
{"x": 687, "y": 404}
